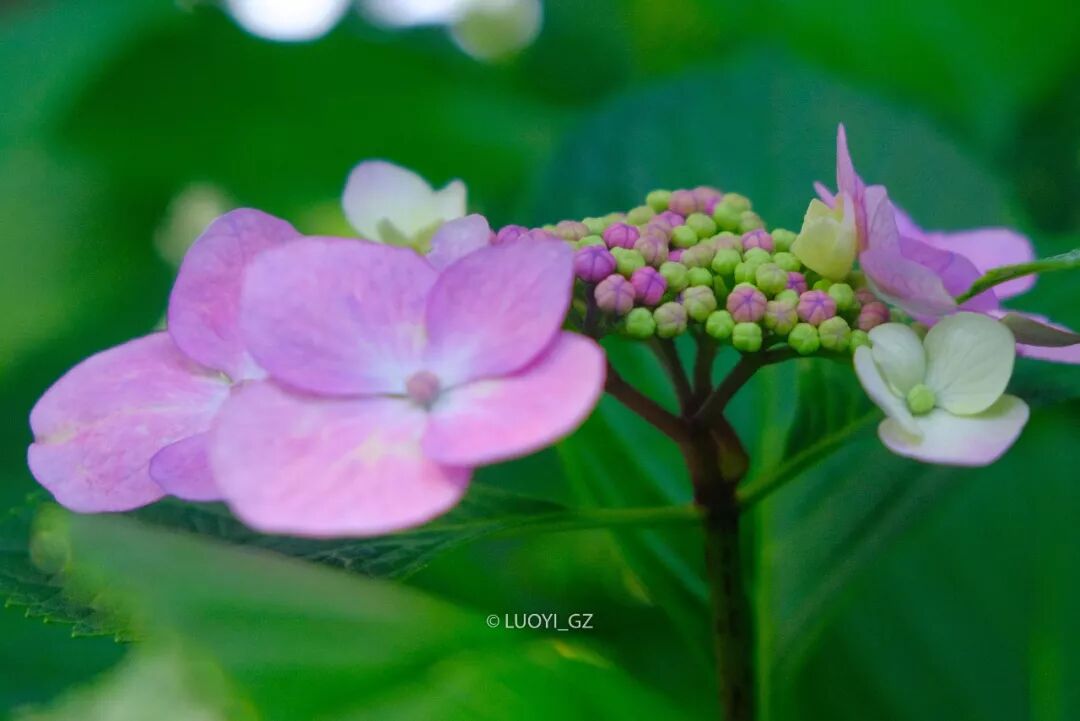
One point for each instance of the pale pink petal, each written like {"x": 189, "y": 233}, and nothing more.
{"x": 96, "y": 429}
{"x": 848, "y": 181}
{"x": 945, "y": 439}
{"x": 335, "y": 316}
{"x": 906, "y": 226}
{"x": 327, "y": 467}
{"x": 988, "y": 248}
{"x": 496, "y": 309}
{"x": 1068, "y": 354}
{"x": 458, "y": 238}
{"x": 826, "y": 195}
{"x": 487, "y": 421}
{"x": 183, "y": 469}
{"x": 956, "y": 272}
{"x": 204, "y": 307}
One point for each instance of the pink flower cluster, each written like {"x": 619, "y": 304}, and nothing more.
{"x": 326, "y": 386}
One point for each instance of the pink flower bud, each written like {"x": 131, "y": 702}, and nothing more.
{"x": 707, "y": 198}
{"x": 615, "y": 294}
{"x": 510, "y": 232}
{"x": 653, "y": 246}
{"x": 649, "y": 285}
{"x": 816, "y": 306}
{"x": 541, "y": 234}
{"x": 758, "y": 239}
{"x": 872, "y": 315}
{"x": 571, "y": 230}
{"x": 593, "y": 263}
{"x": 621, "y": 235}
{"x": 683, "y": 202}
{"x": 675, "y": 255}
{"x": 670, "y": 217}
{"x": 865, "y": 296}
{"x": 746, "y": 303}
{"x": 797, "y": 282}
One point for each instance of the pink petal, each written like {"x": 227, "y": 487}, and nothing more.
{"x": 97, "y": 428}
{"x": 491, "y": 420}
{"x": 183, "y": 469}
{"x": 826, "y": 195}
{"x": 337, "y": 316}
{"x": 458, "y": 238}
{"x": 327, "y": 467}
{"x": 495, "y": 310}
{"x": 956, "y": 272}
{"x": 204, "y": 307}
{"x": 848, "y": 181}
{"x": 988, "y": 248}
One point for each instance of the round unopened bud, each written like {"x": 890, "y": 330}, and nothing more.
{"x": 508, "y": 233}
{"x": 627, "y": 261}
{"x": 593, "y": 263}
{"x": 726, "y": 218}
{"x": 858, "y": 338}
{"x": 640, "y": 215}
{"x": 921, "y": 399}
{"x": 700, "y": 256}
{"x": 571, "y": 229}
{"x": 649, "y": 285}
{"x": 614, "y": 294}
{"x": 640, "y": 324}
{"x": 782, "y": 239}
{"x": 653, "y": 247}
{"x": 683, "y": 202}
{"x": 699, "y": 277}
{"x": 788, "y": 295}
{"x": 796, "y": 282}
{"x": 757, "y": 254}
{"x": 701, "y": 224}
{"x": 843, "y": 295}
{"x": 675, "y": 254}
{"x": 684, "y": 236}
{"x": 719, "y": 324}
{"x": 872, "y": 315}
{"x": 725, "y": 261}
{"x": 746, "y": 337}
{"x": 670, "y": 217}
{"x": 815, "y": 307}
{"x": 539, "y": 234}
{"x": 746, "y": 303}
{"x": 780, "y": 316}
{"x": 750, "y": 221}
{"x": 620, "y": 235}
{"x": 736, "y": 201}
{"x": 616, "y": 217}
{"x": 770, "y": 278}
{"x": 759, "y": 238}
{"x": 658, "y": 200}
{"x": 746, "y": 271}
{"x": 804, "y": 339}
{"x": 727, "y": 239}
{"x": 670, "y": 320}
{"x": 591, "y": 240}
{"x": 675, "y": 275}
{"x": 699, "y": 302}
{"x": 865, "y": 296}
{"x": 707, "y": 198}
{"x": 595, "y": 225}
{"x": 835, "y": 333}
{"x": 787, "y": 261}
{"x": 822, "y": 284}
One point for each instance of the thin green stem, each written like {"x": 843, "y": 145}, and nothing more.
{"x": 997, "y": 276}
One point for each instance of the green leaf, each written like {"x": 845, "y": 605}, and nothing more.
{"x": 997, "y": 276}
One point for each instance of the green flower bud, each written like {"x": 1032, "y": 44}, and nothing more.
{"x": 788, "y": 295}
{"x": 698, "y": 277}
{"x": 615, "y": 217}
{"x": 670, "y": 320}
{"x": 736, "y": 202}
{"x": 787, "y": 261}
{"x": 843, "y": 295}
{"x": 675, "y": 274}
{"x": 699, "y": 302}
{"x": 921, "y": 399}
{"x": 701, "y": 224}
{"x": 719, "y": 324}
{"x": 596, "y": 226}
{"x": 858, "y": 338}
{"x": 640, "y": 324}
{"x": 725, "y": 261}
{"x": 549, "y": 228}
{"x": 746, "y": 271}
{"x": 640, "y": 215}
{"x": 627, "y": 261}
{"x": 727, "y": 239}
{"x": 746, "y": 337}
{"x": 658, "y": 200}
{"x": 720, "y": 287}
{"x": 822, "y": 284}
{"x": 758, "y": 254}
{"x": 782, "y": 239}
{"x": 726, "y": 217}
{"x": 700, "y": 256}
{"x": 684, "y": 236}
{"x": 590, "y": 240}
{"x": 780, "y": 316}
{"x": 804, "y": 339}
{"x": 835, "y": 334}
{"x": 750, "y": 221}
{"x": 770, "y": 278}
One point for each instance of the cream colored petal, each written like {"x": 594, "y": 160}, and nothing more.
{"x": 975, "y": 440}
{"x": 898, "y": 352}
{"x": 878, "y": 389}
{"x": 970, "y": 359}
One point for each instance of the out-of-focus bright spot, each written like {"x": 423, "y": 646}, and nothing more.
{"x": 287, "y": 20}
{"x": 495, "y": 29}
{"x": 187, "y": 216}
{"x": 407, "y": 13}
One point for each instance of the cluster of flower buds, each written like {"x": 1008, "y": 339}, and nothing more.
{"x": 702, "y": 261}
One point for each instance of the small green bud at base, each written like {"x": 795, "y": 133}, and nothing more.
{"x": 726, "y": 218}
{"x": 804, "y": 339}
{"x": 759, "y": 255}
{"x": 640, "y": 215}
{"x": 719, "y": 324}
{"x": 725, "y": 261}
{"x": 720, "y": 287}
{"x": 746, "y": 271}
{"x": 770, "y": 279}
{"x": 701, "y": 224}
{"x": 746, "y": 337}
{"x": 590, "y": 240}
{"x": 780, "y": 316}
{"x": 699, "y": 276}
{"x": 858, "y": 338}
{"x": 727, "y": 239}
{"x": 835, "y": 334}
{"x": 920, "y": 399}
{"x": 787, "y": 261}
{"x": 684, "y": 237}
{"x": 699, "y": 302}
{"x": 658, "y": 200}
{"x": 596, "y": 226}
{"x": 627, "y": 261}
{"x": 736, "y": 202}
{"x": 822, "y": 284}
{"x": 750, "y": 221}
{"x": 670, "y": 320}
{"x": 640, "y": 324}
{"x": 788, "y": 295}
{"x": 675, "y": 275}
{"x": 700, "y": 256}
{"x": 782, "y": 240}
{"x": 843, "y": 294}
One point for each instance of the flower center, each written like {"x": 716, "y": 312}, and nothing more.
{"x": 422, "y": 388}
{"x": 920, "y": 399}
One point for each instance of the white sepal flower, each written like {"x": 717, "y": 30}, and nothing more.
{"x": 945, "y": 395}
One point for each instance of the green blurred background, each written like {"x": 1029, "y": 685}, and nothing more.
{"x": 884, "y": 589}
